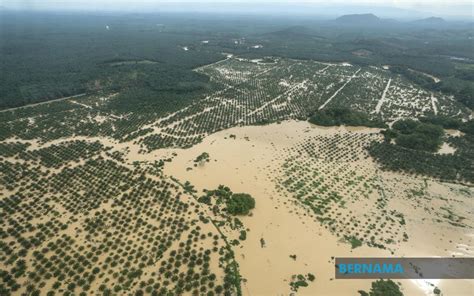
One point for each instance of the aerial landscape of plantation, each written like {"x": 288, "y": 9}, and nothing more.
{"x": 164, "y": 155}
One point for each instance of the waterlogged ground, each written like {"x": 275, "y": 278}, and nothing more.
{"x": 244, "y": 159}
{"x": 95, "y": 201}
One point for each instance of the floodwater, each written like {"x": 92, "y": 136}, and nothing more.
{"x": 446, "y": 149}
{"x": 244, "y": 161}
{"x": 246, "y": 158}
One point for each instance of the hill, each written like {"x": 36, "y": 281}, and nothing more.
{"x": 358, "y": 19}
{"x": 430, "y": 21}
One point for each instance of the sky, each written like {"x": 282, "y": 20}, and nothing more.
{"x": 423, "y": 7}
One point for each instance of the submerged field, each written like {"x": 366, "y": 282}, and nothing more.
{"x": 315, "y": 208}
{"x": 101, "y": 199}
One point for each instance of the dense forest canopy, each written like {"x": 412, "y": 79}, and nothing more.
{"x": 416, "y": 144}
{"x": 343, "y": 116}
{"x": 47, "y": 56}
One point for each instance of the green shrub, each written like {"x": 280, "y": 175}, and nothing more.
{"x": 205, "y": 199}
{"x": 243, "y": 235}
{"x": 383, "y": 288}
{"x": 240, "y": 204}
{"x": 202, "y": 157}
{"x": 355, "y": 242}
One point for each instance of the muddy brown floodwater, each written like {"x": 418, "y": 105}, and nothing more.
{"x": 243, "y": 158}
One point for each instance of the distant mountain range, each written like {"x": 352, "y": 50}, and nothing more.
{"x": 431, "y": 21}
{"x": 324, "y": 11}
{"x": 358, "y": 18}
{"x": 369, "y": 19}
{"x": 369, "y": 22}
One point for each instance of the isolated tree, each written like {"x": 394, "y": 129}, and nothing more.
{"x": 240, "y": 204}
